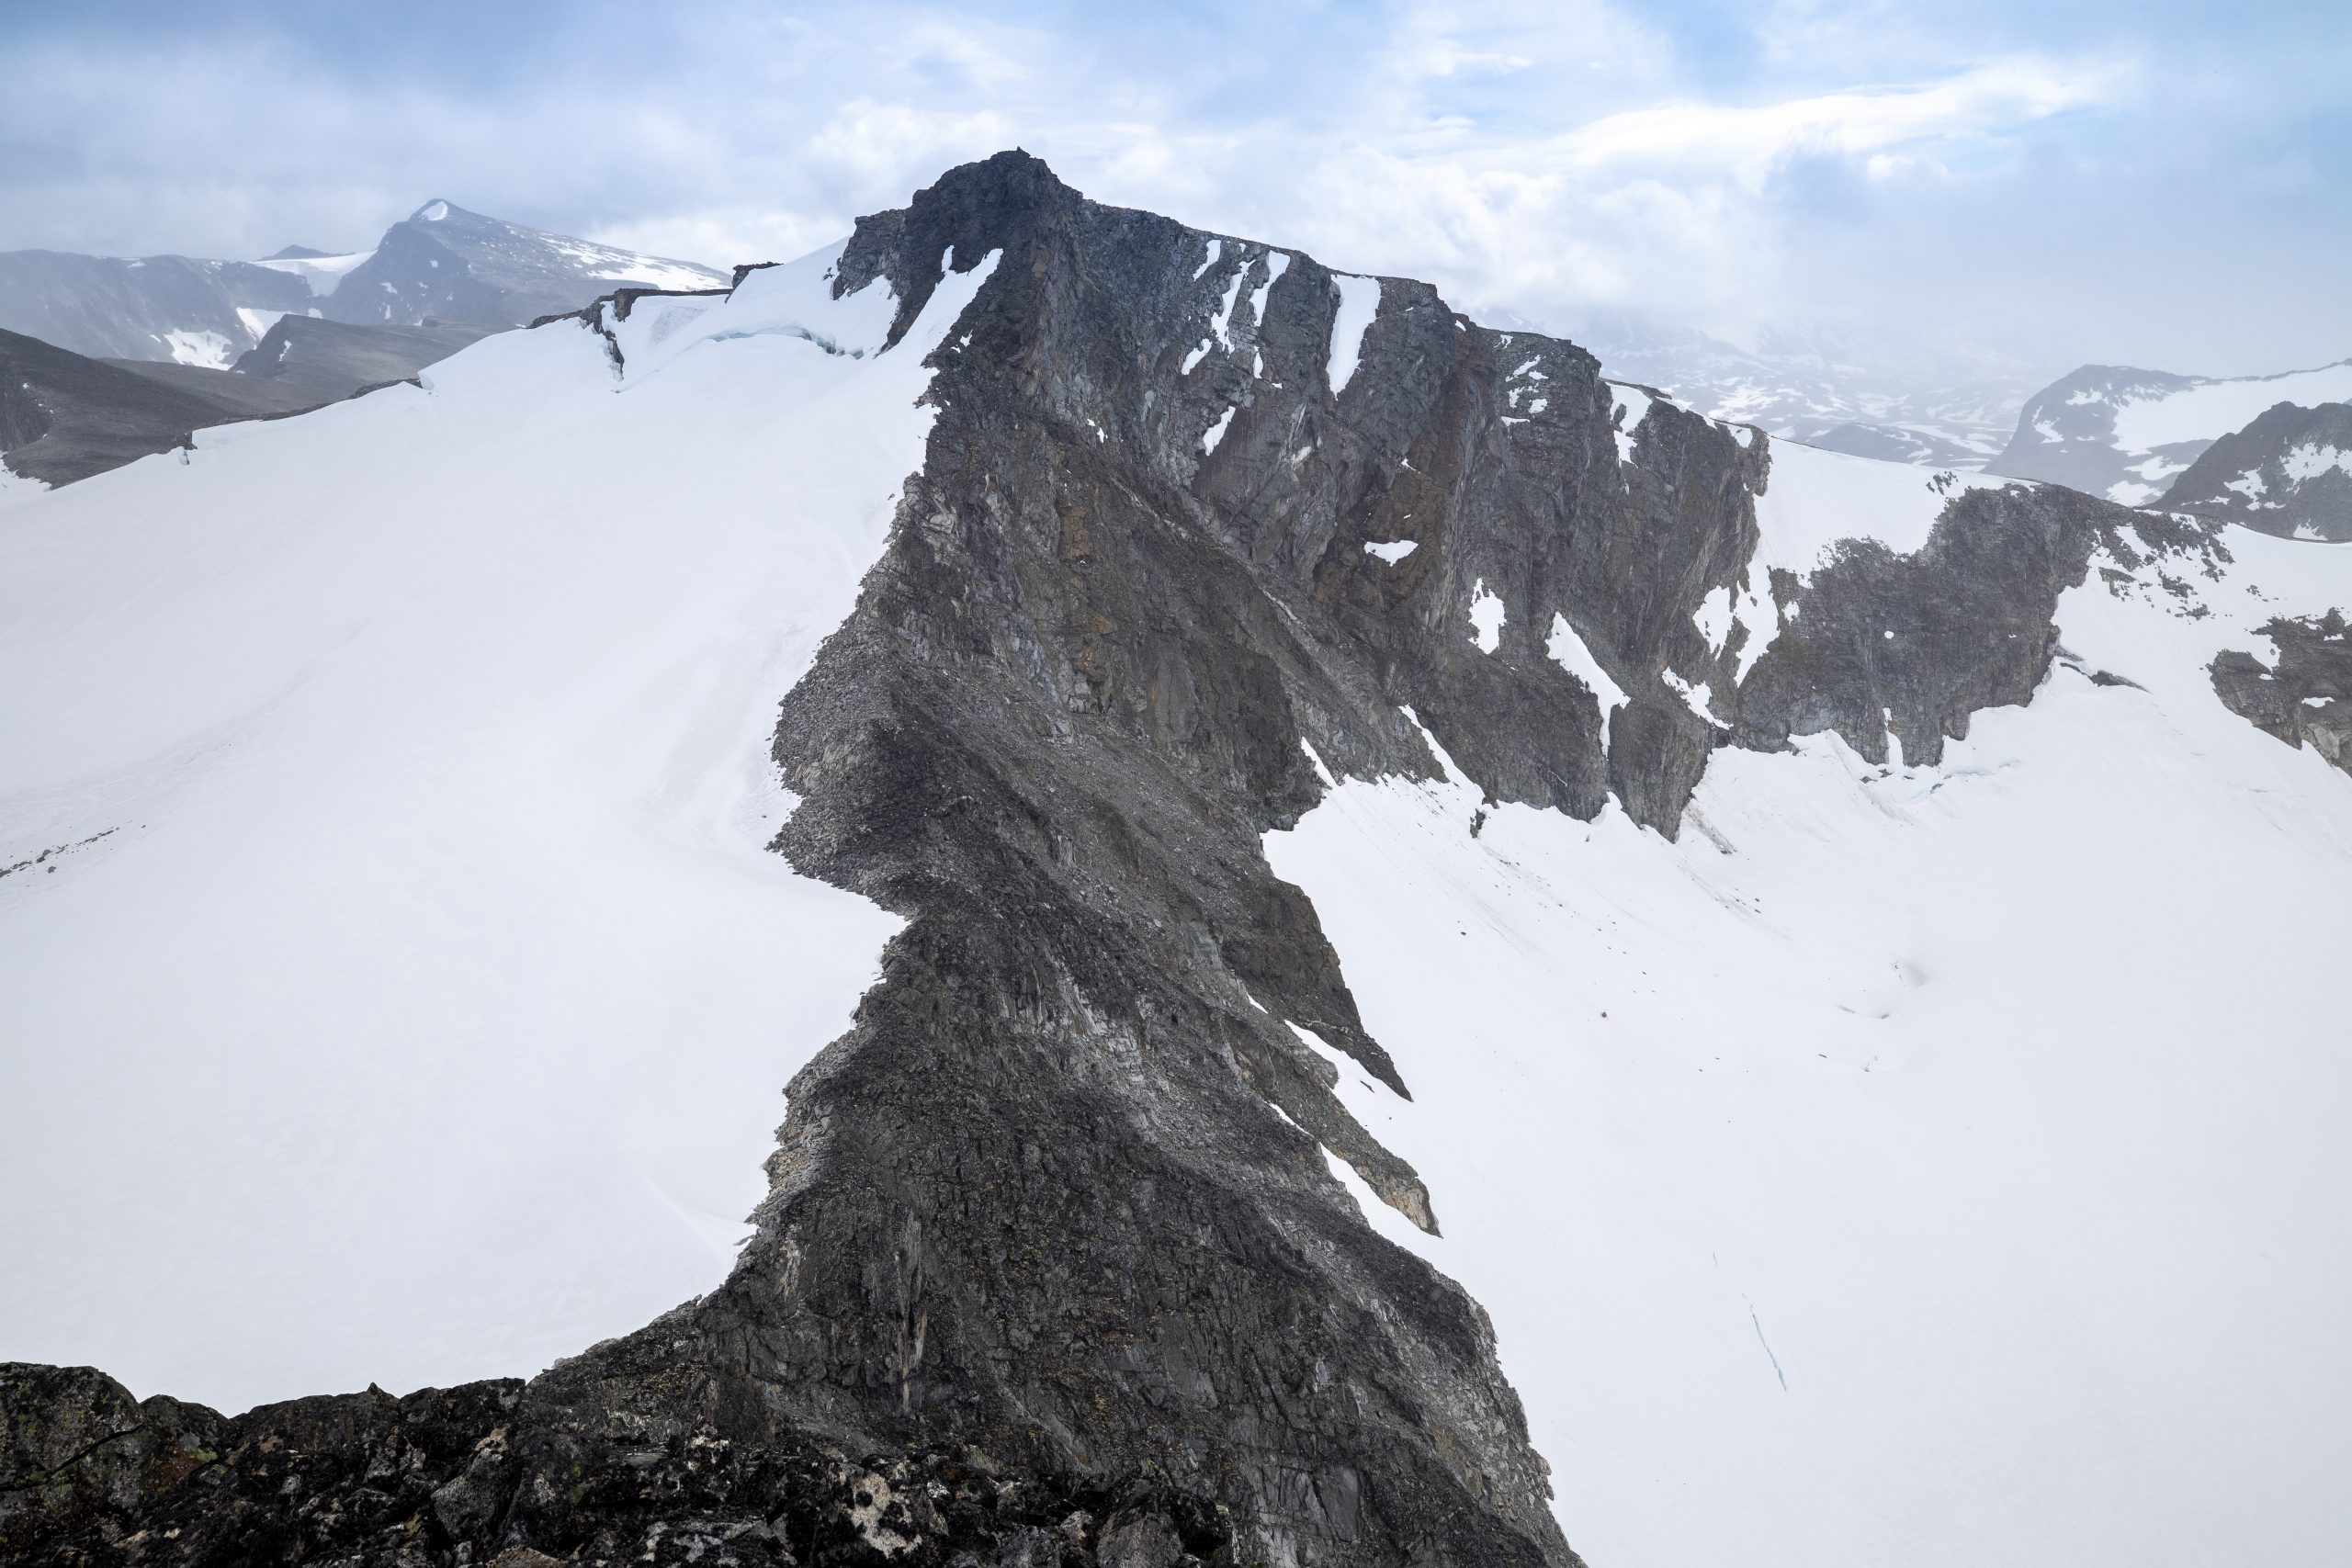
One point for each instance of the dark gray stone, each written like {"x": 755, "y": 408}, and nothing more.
{"x": 2307, "y": 696}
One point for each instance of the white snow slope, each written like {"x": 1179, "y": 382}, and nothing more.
{"x": 2210, "y": 410}
{"x": 1947, "y": 1169}
{"x": 322, "y": 272}
{"x": 414, "y": 1005}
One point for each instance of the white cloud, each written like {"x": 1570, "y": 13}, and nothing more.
{"x": 1746, "y": 141}
{"x": 876, "y": 143}
{"x": 1544, "y": 156}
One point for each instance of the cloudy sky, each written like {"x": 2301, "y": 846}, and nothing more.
{"x": 2146, "y": 182}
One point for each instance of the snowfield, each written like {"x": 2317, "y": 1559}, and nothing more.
{"x": 405, "y": 992}
{"x": 1933, "y": 1167}
{"x": 322, "y": 272}
{"x": 2210, "y": 410}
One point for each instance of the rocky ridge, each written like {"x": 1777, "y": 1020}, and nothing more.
{"x": 1051, "y": 1225}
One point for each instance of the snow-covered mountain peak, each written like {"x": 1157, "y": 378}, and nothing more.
{"x": 1432, "y": 953}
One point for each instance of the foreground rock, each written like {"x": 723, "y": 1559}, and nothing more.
{"x": 492, "y": 1472}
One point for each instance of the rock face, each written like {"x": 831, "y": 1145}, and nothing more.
{"x": 2288, "y": 473}
{"x": 91, "y": 1475}
{"x": 2306, "y": 695}
{"x": 1053, "y": 1268}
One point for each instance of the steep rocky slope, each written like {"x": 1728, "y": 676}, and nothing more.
{"x": 1053, "y": 1264}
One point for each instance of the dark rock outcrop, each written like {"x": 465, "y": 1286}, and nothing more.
{"x": 1884, "y": 646}
{"x": 486, "y": 1473}
{"x": 2307, "y": 696}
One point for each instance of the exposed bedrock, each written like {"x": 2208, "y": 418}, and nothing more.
{"x": 2306, "y": 695}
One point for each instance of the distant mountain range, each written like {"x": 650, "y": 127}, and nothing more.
{"x": 2139, "y": 437}
{"x": 109, "y": 359}
{"x": 441, "y": 264}
{"x": 444, "y": 274}
{"x": 1906, "y": 403}
{"x": 2127, "y": 434}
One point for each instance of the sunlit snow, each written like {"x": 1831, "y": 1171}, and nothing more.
{"x": 1359, "y": 304}
{"x": 322, "y": 272}
{"x": 1486, "y": 618}
{"x": 2210, "y": 410}
{"x": 210, "y": 349}
{"x": 1570, "y": 652}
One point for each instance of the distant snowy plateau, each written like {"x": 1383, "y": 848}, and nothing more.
{"x": 1840, "y": 961}
{"x": 2133, "y": 435}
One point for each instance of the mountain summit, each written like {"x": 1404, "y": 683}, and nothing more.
{"x": 1383, "y": 950}
{"x": 445, "y": 263}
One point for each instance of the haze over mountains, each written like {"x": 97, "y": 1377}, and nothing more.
{"x": 1907, "y": 402}
{"x": 2127, "y": 434}
{"x": 441, "y": 264}
{"x": 109, "y": 360}
{"x": 1382, "y": 949}
{"x": 1940, "y": 407}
